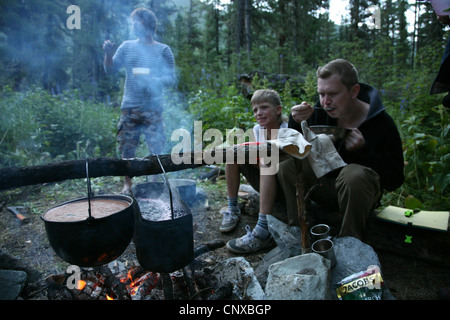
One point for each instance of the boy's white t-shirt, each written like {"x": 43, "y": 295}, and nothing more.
{"x": 258, "y": 132}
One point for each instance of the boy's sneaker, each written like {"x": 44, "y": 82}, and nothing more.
{"x": 229, "y": 220}
{"x": 249, "y": 243}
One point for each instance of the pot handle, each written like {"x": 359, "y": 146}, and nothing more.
{"x": 89, "y": 191}
{"x": 168, "y": 185}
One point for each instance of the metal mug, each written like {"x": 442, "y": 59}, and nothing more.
{"x": 319, "y": 231}
{"x": 324, "y": 247}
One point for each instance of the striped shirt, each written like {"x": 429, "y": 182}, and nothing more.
{"x": 149, "y": 69}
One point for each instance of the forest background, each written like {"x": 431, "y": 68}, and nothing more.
{"x": 57, "y": 103}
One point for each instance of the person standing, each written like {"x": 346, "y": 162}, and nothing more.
{"x": 150, "y": 68}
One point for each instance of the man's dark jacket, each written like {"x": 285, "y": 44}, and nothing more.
{"x": 383, "y": 148}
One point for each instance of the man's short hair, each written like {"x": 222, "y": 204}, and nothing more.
{"x": 146, "y": 17}
{"x": 266, "y": 95}
{"x": 341, "y": 67}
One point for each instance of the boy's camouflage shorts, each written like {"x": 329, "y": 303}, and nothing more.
{"x": 136, "y": 121}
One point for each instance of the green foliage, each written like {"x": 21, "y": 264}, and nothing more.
{"x": 222, "y": 109}
{"x": 428, "y": 155}
{"x": 38, "y": 127}
{"x": 310, "y": 87}
{"x": 423, "y": 124}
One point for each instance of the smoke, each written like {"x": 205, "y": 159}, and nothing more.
{"x": 31, "y": 44}
{"x": 54, "y": 46}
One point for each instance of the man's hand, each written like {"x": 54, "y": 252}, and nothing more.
{"x": 108, "y": 47}
{"x": 302, "y": 112}
{"x": 354, "y": 140}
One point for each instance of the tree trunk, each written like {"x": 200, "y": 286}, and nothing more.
{"x": 240, "y": 25}
{"x": 217, "y": 29}
{"x": 98, "y": 167}
{"x": 414, "y": 36}
{"x": 248, "y": 19}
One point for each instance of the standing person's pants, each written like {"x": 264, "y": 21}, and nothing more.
{"x": 353, "y": 190}
{"x": 136, "y": 121}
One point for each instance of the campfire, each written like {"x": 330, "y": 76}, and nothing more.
{"x": 106, "y": 283}
{"x": 120, "y": 281}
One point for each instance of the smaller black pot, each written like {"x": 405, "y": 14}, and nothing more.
{"x": 168, "y": 245}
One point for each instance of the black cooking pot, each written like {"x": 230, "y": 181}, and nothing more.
{"x": 92, "y": 241}
{"x": 164, "y": 244}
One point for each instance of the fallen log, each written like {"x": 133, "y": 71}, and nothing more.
{"x": 15, "y": 177}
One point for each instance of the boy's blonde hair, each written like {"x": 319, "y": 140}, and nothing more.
{"x": 266, "y": 95}
{"x": 270, "y": 96}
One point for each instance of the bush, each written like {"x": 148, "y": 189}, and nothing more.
{"x": 225, "y": 109}
{"x": 37, "y": 127}
{"x": 423, "y": 124}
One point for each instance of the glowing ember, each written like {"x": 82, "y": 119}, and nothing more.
{"x": 128, "y": 277}
{"x": 81, "y": 284}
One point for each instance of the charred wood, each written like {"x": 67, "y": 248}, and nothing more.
{"x": 210, "y": 246}
{"x": 222, "y": 293}
{"x": 145, "y": 283}
{"x": 167, "y": 286}
{"x": 190, "y": 283}
{"x": 118, "y": 288}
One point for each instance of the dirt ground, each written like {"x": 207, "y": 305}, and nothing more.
{"x": 407, "y": 278}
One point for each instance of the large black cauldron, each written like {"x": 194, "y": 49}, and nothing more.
{"x": 93, "y": 241}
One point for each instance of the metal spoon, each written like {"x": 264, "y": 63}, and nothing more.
{"x": 324, "y": 109}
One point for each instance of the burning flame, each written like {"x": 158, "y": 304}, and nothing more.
{"x": 133, "y": 285}
{"x": 109, "y": 298}
{"x": 127, "y": 277}
{"x": 81, "y": 284}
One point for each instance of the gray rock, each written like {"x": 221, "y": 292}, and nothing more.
{"x": 303, "y": 277}
{"x": 288, "y": 238}
{"x": 353, "y": 256}
{"x": 11, "y": 284}
{"x": 262, "y": 270}
{"x": 240, "y": 274}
